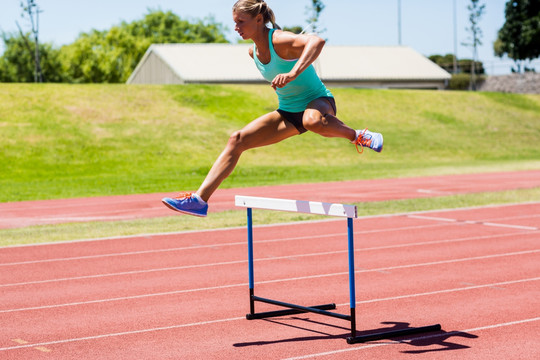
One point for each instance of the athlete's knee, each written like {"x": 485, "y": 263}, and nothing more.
{"x": 315, "y": 122}
{"x": 236, "y": 141}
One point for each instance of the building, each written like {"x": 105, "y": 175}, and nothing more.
{"x": 387, "y": 67}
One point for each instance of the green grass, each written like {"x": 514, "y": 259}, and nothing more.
{"x": 227, "y": 219}
{"x": 59, "y": 141}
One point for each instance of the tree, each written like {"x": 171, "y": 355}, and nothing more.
{"x": 465, "y": 65}
{"x": 519, "y": 38}
{"x": 111, "y": 55}
{"x": 102, "y": 56}
{"x": 17, "y": 61}
{"x": 314, "y": 12}
{"x": 167, "y": 27}
{"x": 33, "y": 15}
{"x": 476, "y": 11}
{"x": 444, "y": 61}
{"x": 461, "y": 80}
{"x": 294, "y": 29}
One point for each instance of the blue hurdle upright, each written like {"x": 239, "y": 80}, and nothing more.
{"x": 320, "y": 208}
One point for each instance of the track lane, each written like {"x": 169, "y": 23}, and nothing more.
{"x": 115, "y": 208}
{"x": 501, "y": 270}
{"x": 294, "y": 336}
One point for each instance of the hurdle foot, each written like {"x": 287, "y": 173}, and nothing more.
{"x": 393, "y": 334}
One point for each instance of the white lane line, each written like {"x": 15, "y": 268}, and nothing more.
{"x": 473, "y": 222}
{"x": 95, "y": 337}
{"x": 269, "y": 281}
{"x": 241, "y": 243}
{"x": 432, "y": 218}
{"x": 234, "y": 262}
{"x": 516, "y": 217}
{"x": 420, "y": 338}
{"x": 172, "y": 327}
{"x": 176, "y": 233}
{"x": 431, "y": 191}
{"x": 510, "y": 226}
{"x": 155, "y": 251}
{"x": 195, "y": 247}
{"x": 437, "y": 292}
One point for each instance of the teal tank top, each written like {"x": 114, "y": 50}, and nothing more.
{"x": 296, "y": 95}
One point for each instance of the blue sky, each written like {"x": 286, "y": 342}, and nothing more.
{"x": 427, "y": 25}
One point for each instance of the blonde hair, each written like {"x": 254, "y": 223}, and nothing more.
{"x": 256, "y": 7}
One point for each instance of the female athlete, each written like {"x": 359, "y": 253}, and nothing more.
{"x": 305, "y": 104}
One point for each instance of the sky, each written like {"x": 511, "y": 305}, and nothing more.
{"x": 427, "y": 26}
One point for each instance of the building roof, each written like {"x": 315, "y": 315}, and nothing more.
{"x": 378, "y": 63}
{"x": 230, "y": 63}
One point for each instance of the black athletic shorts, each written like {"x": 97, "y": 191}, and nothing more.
{"x": 295, "y": 118}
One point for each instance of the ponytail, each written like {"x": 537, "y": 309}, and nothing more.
{"x": 256, "y": 7}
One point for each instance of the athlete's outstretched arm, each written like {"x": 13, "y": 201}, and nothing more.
{"x": 305, "y": 48}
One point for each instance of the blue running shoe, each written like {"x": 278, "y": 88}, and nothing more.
{"x": 187, "y": 203}
{"x": 370, "y": 139}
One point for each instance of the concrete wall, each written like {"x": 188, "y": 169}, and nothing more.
{"x": 528, "y": 83}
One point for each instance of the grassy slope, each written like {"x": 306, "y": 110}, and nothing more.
{"x": 60, "y": 141}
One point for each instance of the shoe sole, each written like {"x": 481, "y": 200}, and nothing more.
{"x": 382, "y": 144}
{"x": 182, "y": 211}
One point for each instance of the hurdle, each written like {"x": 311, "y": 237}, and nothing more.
{"x": 320, "y": 208}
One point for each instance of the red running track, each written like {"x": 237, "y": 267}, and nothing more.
{"x": 184, "y": 296}
{"x": 114, "y": 208}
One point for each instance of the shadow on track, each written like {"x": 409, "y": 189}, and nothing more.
{"x": 424, "y": 343}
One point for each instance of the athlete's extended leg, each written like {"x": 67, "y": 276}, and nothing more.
{"x": 266, "y": 130}
{"x": 320, "y": 117}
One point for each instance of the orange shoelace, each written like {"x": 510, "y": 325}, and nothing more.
{"x": 184, "y": 195}
{"x": 362, "y": 141}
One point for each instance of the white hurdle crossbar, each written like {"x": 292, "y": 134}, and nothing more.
{"x": 320, "y": 208}
{"x": 308, "y": 207}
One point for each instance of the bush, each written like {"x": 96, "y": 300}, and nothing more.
{"x": 463, "y": 81}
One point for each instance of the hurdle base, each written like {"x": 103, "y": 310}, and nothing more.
{"x": 393, "y": 334}
{"x": 292, "y": 309}
{"x": 278, "y": 313}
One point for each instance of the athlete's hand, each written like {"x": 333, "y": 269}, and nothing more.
{"x": 281, "y": 80}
